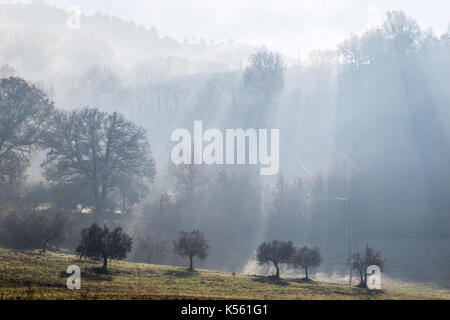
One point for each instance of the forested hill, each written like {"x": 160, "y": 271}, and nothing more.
{"x": 103, "y": 39}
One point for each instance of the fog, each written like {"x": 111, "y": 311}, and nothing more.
{"x": 367, "y": 119}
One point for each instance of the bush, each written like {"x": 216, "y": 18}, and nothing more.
{"x": 23, "y": 229}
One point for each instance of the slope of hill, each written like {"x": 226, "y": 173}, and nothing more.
{"x": 42, "y": 28}
{"x": 30, "y": 275}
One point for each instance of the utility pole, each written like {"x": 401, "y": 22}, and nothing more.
{"x": 350, "y": 236}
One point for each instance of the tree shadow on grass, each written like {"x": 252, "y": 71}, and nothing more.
{"x": 186, "y": 273}
{"x": 303, "y": 281}
{"x": 270, "y": 280}
{"x": 362, "y": 289}
{"x": 91, "y": 274}
{"x": 375, "y": 293}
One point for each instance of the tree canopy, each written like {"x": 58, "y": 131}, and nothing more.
{"x": 277, "y": 252}
{"x": 190, "y": 245}
{"x": 307, "y": 258}
{"x": 104, "y": 153}
{"x": 104, "y": 244}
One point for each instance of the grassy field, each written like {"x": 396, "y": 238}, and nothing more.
{"x": 31, "y": 275}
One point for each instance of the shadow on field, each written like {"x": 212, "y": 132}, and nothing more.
{"x": 270, "y": 280}
{"x": 303, "y": 281}
{"x": 375, "y": 293}
{"x": 181, "y": 273}
{"x": 91, "y": 274}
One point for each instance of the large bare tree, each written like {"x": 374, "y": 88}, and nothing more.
{"x": 24, "y": 112}
{"x": 108, "y": 153}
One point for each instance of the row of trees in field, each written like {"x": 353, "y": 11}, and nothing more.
{"x": 283, "y": 252}
{"x": 101, "y": 243}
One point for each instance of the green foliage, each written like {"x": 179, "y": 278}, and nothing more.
{"x": 190, "y": 245}
{"x": 307, "y": 258}
{"x": 277, "y": 252}
{"x": 101, "y": 243}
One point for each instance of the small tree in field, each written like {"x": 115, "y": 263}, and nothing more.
{"x": 190, "y": 245}
{"x": 361, "y": 261}
{"x": 103, "y": 244}
{"x": 277, "y": 252}
{"x": 152, "y": 249}
{"x": 307, "y": 258}
{"x": 52, "y": 229}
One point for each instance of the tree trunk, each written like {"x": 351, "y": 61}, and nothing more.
{"x": 191, "y": 265}
{"x": 361, "y": 277}
{"x": 44, "y": 246}
{"x": 277, "y": 275}
{"x": 105, "y": 263}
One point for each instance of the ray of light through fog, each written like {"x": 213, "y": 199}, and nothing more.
{"x": 363, "y": 115}
{"x": 292, "y": 27}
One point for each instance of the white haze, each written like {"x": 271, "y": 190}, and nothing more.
{"x": 292, "y": 27}
{"x": 386, "y": 109}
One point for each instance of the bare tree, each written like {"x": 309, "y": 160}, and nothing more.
{"x": 263, "y": 80}
{"x": 153, "y": 249}
{"x": 361, "y": 261}
{"x": 53, "y": 229}
{"x": 24, "y": 113}
{"x": 107, "y": 152}
{"x": 189, "y": 179}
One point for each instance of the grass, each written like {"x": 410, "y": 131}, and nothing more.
{"x": 31, "y": 275}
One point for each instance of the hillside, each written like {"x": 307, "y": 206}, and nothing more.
{"x": 103, "y": 39}
{"x": 30, "y": 275}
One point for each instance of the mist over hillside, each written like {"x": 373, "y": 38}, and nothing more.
{"x": 369, "y": 121}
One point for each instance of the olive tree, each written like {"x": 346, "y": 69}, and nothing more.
{"x": 276, "y": 252}
{"x": 307, "y": 258}
{"x": 190, "y": 245}
{"x": 104, "y": 244}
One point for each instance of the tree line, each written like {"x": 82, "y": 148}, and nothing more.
{"x": 97, "y": 164}
{"x": 100, "y": 243}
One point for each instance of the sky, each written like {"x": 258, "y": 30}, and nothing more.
{"x": 292, "y": 27}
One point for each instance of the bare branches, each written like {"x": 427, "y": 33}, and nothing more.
{"x": 110, "y": 153}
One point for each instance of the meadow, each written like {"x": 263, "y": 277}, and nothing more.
{"x": 32, "y": 275}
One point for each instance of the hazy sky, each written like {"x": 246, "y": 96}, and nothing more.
{"x": 289, "y": 26}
